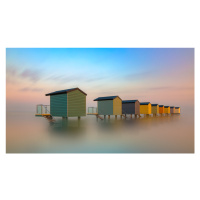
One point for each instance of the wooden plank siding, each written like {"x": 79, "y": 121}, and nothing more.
{"x": 105, "y": 107}
{"x": 128, "y": 108}
{"x": 76, "y": 104}
{"x": 137, "y": 107}
{"x": 177, "y": 110}
{"x": 117, "y": 106}
{"x": 131, "y": 108}
{"x": 172, "y": 110}
{"x": 145, "y": 109}
{"x": 155, "y": 109}
{"x": 161, "y": 109}
{"x": 58, "y": 105}
{"x": 167, "y": 110}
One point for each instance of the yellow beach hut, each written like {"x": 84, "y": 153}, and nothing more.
{"x": 177, "y": 110}
{"x": 145, "y": 108}
{"x": 154, "y": 109}
{"x": 166, "y": 109}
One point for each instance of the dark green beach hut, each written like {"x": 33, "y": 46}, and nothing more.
{"x": 68, "y": 103}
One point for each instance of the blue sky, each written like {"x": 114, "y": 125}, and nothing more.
{"x": 142, "y": 73}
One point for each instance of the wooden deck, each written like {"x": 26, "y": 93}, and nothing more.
{"x": 92, "y": 113}
{"x": 42, "y": 115}
{"x": 98, "y": 116}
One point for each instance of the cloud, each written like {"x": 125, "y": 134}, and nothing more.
{"x": 11, "y": 71}
{"x": 14, "y": 76}
{"x": 160, "y": 88}
{"x": 93, "y": 79}
{"x": 31, "y": 74}
{"x": 26, "y": 89}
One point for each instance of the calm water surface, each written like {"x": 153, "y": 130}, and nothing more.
{"x": 167, "y": 134}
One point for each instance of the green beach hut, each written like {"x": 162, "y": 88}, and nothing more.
{"x": 68, "y": 103}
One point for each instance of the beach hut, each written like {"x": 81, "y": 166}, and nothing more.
{"x": 131, "y": 107}
{"x": 68, "y": 103}
{"x": 154, "y": 109}
{"x": 110, "y": 105}
{"x": 161, "y": 109}
{"x": 177, "y": 110}
{"x": 166, "y": 109}
{"x": 172, "y": 109}
{"x": 145, "y": 108}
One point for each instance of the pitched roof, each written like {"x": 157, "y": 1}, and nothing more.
{"x": 161, "y": 105}
{"x": 166, "y": 106}
{"x": 105, "y": 98}
{"x": 171, "y": 106}
{"x": 129, "y": 101}
{"x": 177, "y": 107}
{"x": 154, "y": 104}
{"x": 144, "y": 103}
{"x": 65, "y": 91}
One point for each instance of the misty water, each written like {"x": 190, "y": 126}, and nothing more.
{"x": 26, "y": 133}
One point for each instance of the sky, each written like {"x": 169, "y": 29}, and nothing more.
{"x": 157, "y": 75}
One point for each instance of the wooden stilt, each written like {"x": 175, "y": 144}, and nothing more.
{"x": 115, "y": 117}
{"x": 108, "y": 116}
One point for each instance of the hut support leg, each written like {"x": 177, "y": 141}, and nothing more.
{"x": 104, "y": 117}
{"x": 108, "y": 116}
{"x": 79, "y": 120}
{"x": 125, "y": 116}
{"x": 120, "y": 116}
{"x": 97, "y": 118}
{"x": 131, "y": 116}
{"x": 115, "y": 117}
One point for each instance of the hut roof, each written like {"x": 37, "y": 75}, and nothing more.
{"x": 177, "y": 107}
{"x": 65, "y": 91}
{"x": 154, "y": 104}
{"x": 129, "y": 101}
{"x": 166, "y": 106}
{"x": 171, "y": 106}
{"x": 161, "y": 105}
{"x": 144, "y": 103}
{"x": 106, "y": 98}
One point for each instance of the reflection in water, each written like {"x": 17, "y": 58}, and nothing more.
{"x": 157, "y": 134}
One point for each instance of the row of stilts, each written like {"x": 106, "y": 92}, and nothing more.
{"x": 131, "y": 116}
